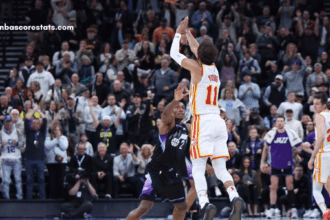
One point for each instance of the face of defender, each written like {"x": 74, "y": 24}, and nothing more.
{"x": 179, "y": 111}
{"x": 317, "y": 105}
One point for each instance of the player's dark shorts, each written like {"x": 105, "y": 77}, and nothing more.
{"x": 168, "y": 184}
{"x": 282, "y": 172}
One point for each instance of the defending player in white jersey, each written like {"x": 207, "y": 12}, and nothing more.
{"x": 208, "y": 130}
{"x": 321, "y": 153}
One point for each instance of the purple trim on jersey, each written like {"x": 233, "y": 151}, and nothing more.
{"x": 281, "y": 151}
{"x": 147, "y": 187}
{"x": 189, "y": 169}
{"x": 162, "y": 139}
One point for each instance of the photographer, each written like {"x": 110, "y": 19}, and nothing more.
{"x": 82, "y": 194}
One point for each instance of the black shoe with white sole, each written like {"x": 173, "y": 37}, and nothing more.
{"x": 236, "y": 209}
{"x": 209, "y": 211}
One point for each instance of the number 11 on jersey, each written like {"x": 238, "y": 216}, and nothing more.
{"x": 209, "y": 95}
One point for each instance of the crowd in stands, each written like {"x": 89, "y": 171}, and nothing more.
{"x": 93, "y": 96}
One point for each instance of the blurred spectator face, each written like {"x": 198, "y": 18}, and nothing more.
{"x": 151, "y": 15}
{"x": 137, "y": 100}
{"x": 253, "y": 133}
{"x": 229, "y": 94}
{"x": 202, "y": 32}
{"x": 27, "y": 105}
{"x": 327, "y": 72}
{"x": 40, "y": 68}
{"x": 41, "y": 58}
{"x": 125, "y": 46}
{"x": 232, "y": 147}
{"x": 202, "y": 7}
{"x": 36, "y": 124}
{"x": 165, "y": 64}
{"x": 38, "y": 5}
{"x": 58, "y": 83}
{"x": 82, "y": 44}
{"x": 229, "y": 125}
{"x": 123, "y": 149}
{"x": 75, "y": 78}
{"x": 120, "y": 76}
{"x": 273, "y": 68}
{"x": 106, "y": 123}
{"x": 8, "y": 92}
{"x": 29, "y": 49}
{"x": 102, "y": 149}
{"x": 247, "y": 78}
{"x": 70, "y": 102}
{"x": 65, "y": 46}
{"x": 8, "y": 125}
{"x": 145, "y": 45}
{"x": 227, "y": 21}
{"x": 158, "y": 122}
{"x": 298, "y": 172}
{"x": 87, "y": 94}
{"x": 268, "y": 30}
{"x": 28, "y": 63}
{"x": 146, "y": 152}
{"x": 306, "y": 15}
{"x": 247, "y": 55}
{"x": 182, "y": 5}
{"x": 324, "y": 55}
{"x": 225, "y": 34}
{"x": 236, "y": 178}
{"x": 84, "y": 61}
{"x": 267, "y": 169}
{"x": 273, "y": 110}
{"x": 308, "y": 60}
{"x": 161, "y": 106}
{"x": 163, "y": 24}
{"x": 317, "y": 69}
{"x": 19, "y": 84}
{"x": 106, "y": 48}
{"x": 111, "y": 100}
{"x": 4, "y": 100}
{"x": 117, "y": 85}
{"x": 308, "y": 31}
{"x": 291, "y": 97}
{"x": 66, "y": 58}
{"x": 45, "y": 61}
{"x": 230, "y": 47}
{"x": 266, "y": 11}
{"x": 310, "y": 126}
{"x": 246, "y": 163}
{"x": 254, "y": 115}
{"x": 289, "y": 115}
{"x": 81, "y": 149}
{"x": 280, "y": 123}
{"x": 99, "y": 78}
{"x": 278, "y": 82}
{"x": 91, "y": 35}
{"x": 29, "y": 94}
{"x": 325, "y": 21}
{"x": 95, "y": 100}
{"x": 52, "y": 106}
{"x": 65, "y": 95}
{"x": 15, "y": 116}
{"x": 283, "y": 32}
{"x": 83, "y": 138}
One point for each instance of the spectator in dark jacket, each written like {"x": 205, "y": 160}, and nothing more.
{"x": 252, "y": 147}
{"x": 139, "y": 121}
{"x": 51, "y": 42}
{"x": 82, "y": 160}
{"x": 86, "y": 72}
{"x": 165, "y": 81}
{"x": 103, "y": 170}
{"x": 234, "y": 163}
{"x": 253, "y": 118}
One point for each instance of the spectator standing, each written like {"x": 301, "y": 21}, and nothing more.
{"x": 65, "y": 67}
{"x": 269, "y": 120}
{"x": 101, "y": 89}
{"x": 293, "y": 124}
{"x": 12, "y": 143}
{"x": 83, "y": 51}
{"x": 59, "y": 54}
{"x": 165, "y": 81}
{"x": 124, "y": 169}
{"x": 54, "y": 94}
{"x": 286, "y": 12}
{"x": 249, "y": 92}
{"x": 62, "y": 12}
{"x": 86, "y": 71}
{"x": 252, "y": 147}
{"x": 88, "y": 119}
{"x": 35, "y": 151}
{"x": 76, "y": 87}
{"x": 35, "y": 17}
{"x": 106, "y": 130}
{"x": 201, "y": 15}
{"x": 56, "y": 159}
{"x": 103, "y": 170}
{"x": 124, "y": 56}
{"x": 163, "y": 32}
{"x": 253, "y": 118}
{"x": 291, "y": 104}
{"x": 27, "y": 69}
{"x": 294, "y": 78}
{"x": 44, "y": 78}
{"x": 275, "y": 93}
{"x": 112, "y": 110}
{"x": 228, "y": 23}
{"x": 52, "y": 116}
{"x": 312, "y": 78}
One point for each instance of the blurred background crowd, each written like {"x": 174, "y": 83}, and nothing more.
{"x": 92, "y": 97}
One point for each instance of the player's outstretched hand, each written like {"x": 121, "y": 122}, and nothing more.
{"x": 181, "y": 29}
{"x": 179, "y": 92}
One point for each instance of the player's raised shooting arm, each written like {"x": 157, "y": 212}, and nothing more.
{"x": 319, "y": 121}
{"x": 167, "y": 115}
{"x": 192, "y": 42}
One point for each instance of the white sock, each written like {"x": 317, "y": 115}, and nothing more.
{"x": 317, "y": 193}
{"x": 202, "y": 198}
{"x": 232, "y": 192}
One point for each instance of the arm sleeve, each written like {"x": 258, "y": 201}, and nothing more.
{"x": 178, "y": 57}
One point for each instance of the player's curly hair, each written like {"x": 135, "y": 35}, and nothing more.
{"x": 207, "y": 52}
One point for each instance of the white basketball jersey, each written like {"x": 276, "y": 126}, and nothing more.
{"x": 10, "y": 151}
{"x": 204, "y": 95}
{"x": 326, "y": 144}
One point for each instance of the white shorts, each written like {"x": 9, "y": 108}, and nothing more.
{"x": 321, "y": 167}
{"x": 208, "y": 137}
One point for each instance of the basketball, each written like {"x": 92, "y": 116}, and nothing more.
{"x": 171, "y": 1}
